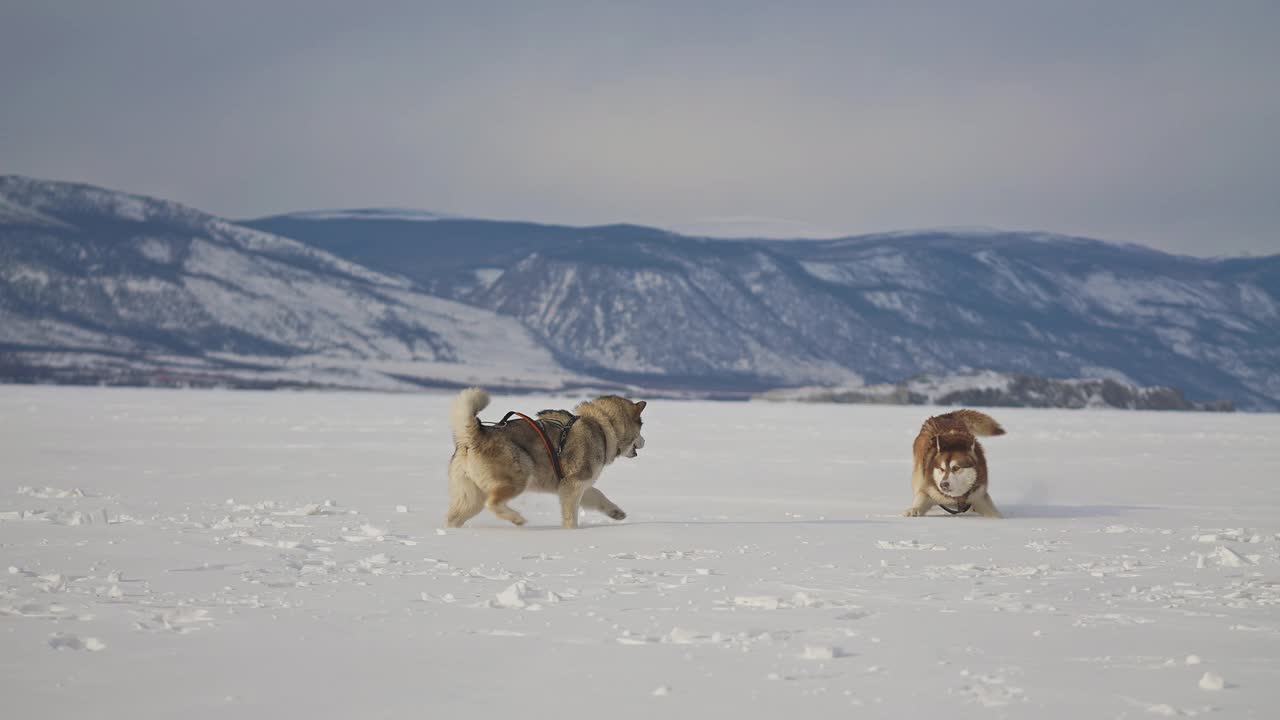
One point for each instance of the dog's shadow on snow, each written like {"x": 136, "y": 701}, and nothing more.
{"x": 759, "y": 521}
{"x": 668, "y": 523}
{"x": 1050, "y": 512}
{"x": 1011, "y": 512}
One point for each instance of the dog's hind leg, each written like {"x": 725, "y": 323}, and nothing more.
{"x": 465, "y": 499}
{"x": 497, "y": 504}
{"x": 593, "y": 499}
{"x": 985, "y": 507}
{"x": 919, "y": 506}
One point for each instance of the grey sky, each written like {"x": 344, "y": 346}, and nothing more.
{"x": 1154, "y": 122}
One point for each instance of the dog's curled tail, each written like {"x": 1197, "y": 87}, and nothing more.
{"x": 465, "y": 408}
{"x": 980, "y": 424}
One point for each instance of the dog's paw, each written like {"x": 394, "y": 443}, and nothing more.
{"x": 518, "y": 520}
{"x": 913, "y": 512}
{"x": 617, "y": 514}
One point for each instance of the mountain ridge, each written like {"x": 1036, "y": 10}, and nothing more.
{"x": 635, "y": 306}
{"x": 1069, "y": 306}
{"x": 135, "y": 285}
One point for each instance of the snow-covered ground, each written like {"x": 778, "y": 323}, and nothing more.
{"x": 203, "y": 554}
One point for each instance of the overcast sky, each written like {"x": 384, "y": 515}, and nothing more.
{"x": 1153, "y": 122}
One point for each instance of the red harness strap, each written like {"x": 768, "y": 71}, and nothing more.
{"x": 555, "y": 459}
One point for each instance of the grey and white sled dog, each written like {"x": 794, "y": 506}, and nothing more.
{"x": 556, "y": 453}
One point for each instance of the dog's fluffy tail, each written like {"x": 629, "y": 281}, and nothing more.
{"x": 465, "y": 423}
{"x": 980, "y": 424}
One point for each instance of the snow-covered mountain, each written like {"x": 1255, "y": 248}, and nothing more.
{"x": 652, "y": 307}
{"x": 104, "y": 286}
{"x": 381, "y": 298}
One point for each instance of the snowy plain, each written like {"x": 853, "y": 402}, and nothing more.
{"x": 205, "y": 554}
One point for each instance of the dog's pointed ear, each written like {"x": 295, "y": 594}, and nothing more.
{"x": 640, "y": 407}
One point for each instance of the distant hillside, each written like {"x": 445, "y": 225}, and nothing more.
{"x": 990, "y": 389}
{"x": 99, "y": 286}
{"x": 103, "y": 286}
{"x": 654, "y": 308}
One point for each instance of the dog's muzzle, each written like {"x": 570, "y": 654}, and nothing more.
{"x": 639, "y": 443}
{"x": 957, "y": 483}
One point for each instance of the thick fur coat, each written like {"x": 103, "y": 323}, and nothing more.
{"x": 949, "y": 466}
{"x": 493, "y": 464}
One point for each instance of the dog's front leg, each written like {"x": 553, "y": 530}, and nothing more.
{"x": 593, "y": 499}
{"x": 985, "y": 507}
{"x": 570, "y": 492}
{"x": 919, "y": 506}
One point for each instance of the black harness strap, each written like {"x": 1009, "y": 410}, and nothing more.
{"x": 564, "y": 433}
{"x": 960, "y": 508}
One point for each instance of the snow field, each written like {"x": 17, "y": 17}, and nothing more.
{"x": 280, "y": 554}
